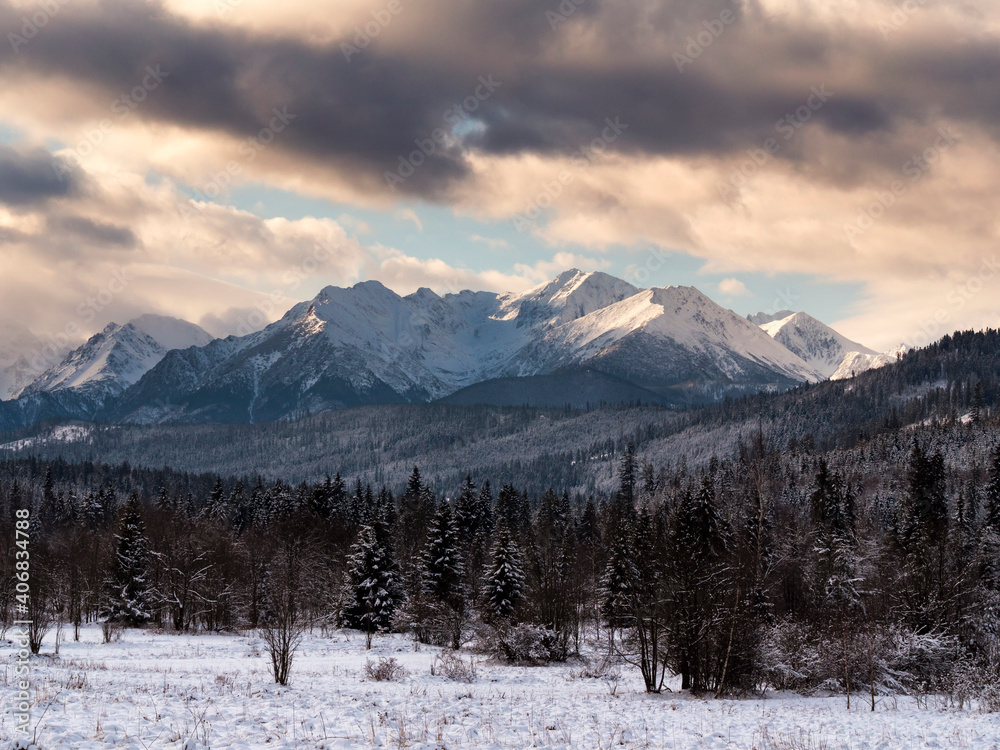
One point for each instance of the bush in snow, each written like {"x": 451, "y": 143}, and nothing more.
{"x": 454, "y": 667}
{"x": 384, "y": 670}
{"x": 877, "y": 659}
{"x": 790, "y": 651}
{"x": 521, "y": 643}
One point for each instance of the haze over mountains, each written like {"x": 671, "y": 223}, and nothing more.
{"x": 582, "y": 338}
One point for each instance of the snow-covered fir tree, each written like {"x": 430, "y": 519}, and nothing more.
{"x": 505, "y": 580}
{"x": 443, "y": 572}
{"x": 618, "y": 586}
{"x": 127, "y": 593}
{"x": 374, "y": 587}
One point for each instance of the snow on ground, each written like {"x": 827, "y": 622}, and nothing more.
{"x": 59, "y": 434}
{"x": 182, "y": 692}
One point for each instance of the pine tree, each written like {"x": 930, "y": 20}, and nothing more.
{"x": 696, "y": 563}
{"x": 505, "y": 580}
{"x": 416, "y": 508}
{"x": 513, "y": 510}
{"x": 374, "y": 586}
{"x": 628, "y": 476}
{"x": 466, "y": 511}
{"x": 618, "y": 587}
{"x": 443, "y": 571}
{"x": 484, "y": 509}
{"x": 922, "y": 536}
{"x": 924, "y": 507}
{"x": 828, "y": 502}
{"x": 976, "y": 414}
{"x": 127, "y": 592}
{"x": 217, "y": 506}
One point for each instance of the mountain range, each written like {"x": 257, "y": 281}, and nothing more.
{"x": 580, "y": 339}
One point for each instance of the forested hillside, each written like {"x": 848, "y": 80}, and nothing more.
{"x": 953, "y": 380}
{"x": 870, "y": 568}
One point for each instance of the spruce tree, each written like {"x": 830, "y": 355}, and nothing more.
{"x": 217, "y": 506}
{"x": 127, "y": 591}
{"x": 696, "y": 563}
{"x": 443, "y": 572}
{"x": 505, "y": 580}
{"x": 628, "y": 476}
{"x": 618, "y": 587}
{"x": 374, "y": 586}
{"x": 466, "y": 510}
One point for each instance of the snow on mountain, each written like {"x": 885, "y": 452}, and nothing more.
{"x": 683, "y": 319}
{"x": 855, "y": 363}
{"x": 367, "y": 344}
{"x": 118, "y": 356}
{"x": 821, "y": 347}
{"x": 571, "y": 295}
{"x": 761, "y": 318}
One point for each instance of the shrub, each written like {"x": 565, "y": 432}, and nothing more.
{"x": 520, "y": 644}
{"x": 111, "y": 631}
{"x": 384, "y": 670}
{"x": 454, "y": 667}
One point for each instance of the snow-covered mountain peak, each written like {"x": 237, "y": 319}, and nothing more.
{"x": 119, "y": 355}
{"x": 571, "y": 295}
{"x": 817, "y": 343}
{"x": 761, "y": 318}
{"x": 425, "y": 294}
{"x": 367, "y": 344}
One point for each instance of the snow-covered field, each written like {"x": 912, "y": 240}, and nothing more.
{"x": 195, "y": 691}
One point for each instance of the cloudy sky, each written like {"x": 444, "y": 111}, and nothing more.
{"x": 212, "y": 158}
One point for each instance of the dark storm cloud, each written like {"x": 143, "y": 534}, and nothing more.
{"x": 31, "y": 177}
{"x": 367, "y": 112}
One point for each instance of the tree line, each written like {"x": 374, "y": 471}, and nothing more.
{"x": 775, "y": 568}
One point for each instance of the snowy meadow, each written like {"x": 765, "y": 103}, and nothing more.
{"x": 181, "y": 692}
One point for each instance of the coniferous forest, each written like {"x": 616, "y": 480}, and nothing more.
{"x": 870, "y": 571}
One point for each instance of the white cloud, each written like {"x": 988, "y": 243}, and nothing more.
{"x": 227, "y": 269}
{"x": 408, "y": 214}
{"x": 733, "y": 288}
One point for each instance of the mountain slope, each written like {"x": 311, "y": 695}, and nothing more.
{"x": 366, "y": 344}
{"x": 816, "y": 343}
{"x": 855, "y": 363}
{"x": 918, "y": 396}
{"x": 117, "y": 357}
